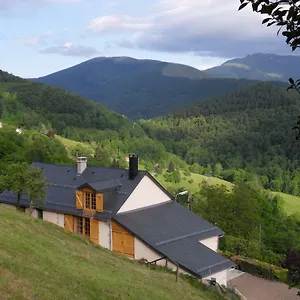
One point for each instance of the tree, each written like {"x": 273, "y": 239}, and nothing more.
{"x": 292, "y": 263}
{"x": 284, "y": 14}
{"x": 20, "y": 178}
{"x": 102, "y": 157}
{"x": 171, "y": 167}
{"x": 176, "y": 176}
{"x": 1, "y": 105}
{"x": 218, "y": 170}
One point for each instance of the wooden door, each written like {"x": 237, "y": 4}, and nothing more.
{"x": 123, "y": 241}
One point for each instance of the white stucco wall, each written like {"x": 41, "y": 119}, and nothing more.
{"x": 105, "y": 238}
{"x": 143, "y": 251}
{"x": 212, "y": 243}
{"x": 221, "y": 277}
{"x": 147, "y": 193}
{"x": 54, "y": 218}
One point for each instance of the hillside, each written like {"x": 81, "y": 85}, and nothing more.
{"x": 38, "y": 260}
{"x": 250, "y": 130}
{"x": 44, "y": 108}
{"x": 265, "y": 67}
{"x": 140, "y": 88}
{"x": 192, "y": 183}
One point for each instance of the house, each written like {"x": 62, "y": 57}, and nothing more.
{"x": 130, "y": 213}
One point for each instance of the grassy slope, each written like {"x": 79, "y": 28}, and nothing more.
{"x": 291, "y": 202}
{"x": 38, "y": 260}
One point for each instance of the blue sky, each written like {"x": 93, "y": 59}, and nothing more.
{"x": 39, "y": 37}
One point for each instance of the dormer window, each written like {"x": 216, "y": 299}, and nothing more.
{"x": 90, "y": 200}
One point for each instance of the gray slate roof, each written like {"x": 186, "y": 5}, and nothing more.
{"x": 175, "y": 232}
{"x": 64, "y": 181}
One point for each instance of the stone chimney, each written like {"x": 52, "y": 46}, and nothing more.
{"x": 81, "y": 164}
{"x": 133, "y": 165}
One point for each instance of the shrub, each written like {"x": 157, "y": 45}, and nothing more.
{"x": 261, "y": 269}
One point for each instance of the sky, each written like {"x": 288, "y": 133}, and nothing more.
{"x": 39, "y": 37}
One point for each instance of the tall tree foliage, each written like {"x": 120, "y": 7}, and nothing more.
{"x": 21, "y": 179}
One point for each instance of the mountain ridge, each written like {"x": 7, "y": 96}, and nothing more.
{"x": 140, "y": 88}
{"x": 258, "y": 66}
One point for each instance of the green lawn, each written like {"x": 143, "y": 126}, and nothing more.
{"x": 192, "y": 186}
{"x": 291, "y": 204}
{"x": 72, "y": 144}
{"x": 39, "y": 260}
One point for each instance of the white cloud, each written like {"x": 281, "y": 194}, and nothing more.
{"x": 8, "y": 4}
{"x": 204, "y": 27}
{"x": 116, "y": 23}
{"x": 68, "y": 49}
{"x": 37, "y": 40}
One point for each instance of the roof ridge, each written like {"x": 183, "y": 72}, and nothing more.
{"x": 186, "y": 236}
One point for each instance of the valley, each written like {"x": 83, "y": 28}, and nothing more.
{"x": 233, "y": 148}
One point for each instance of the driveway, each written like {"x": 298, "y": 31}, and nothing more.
{"x": 255, "y": 288}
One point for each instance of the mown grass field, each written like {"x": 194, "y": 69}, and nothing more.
{"x": 39, "y": 260}
{"x": 72, "y": 144}
{"x": 291, "y": 203}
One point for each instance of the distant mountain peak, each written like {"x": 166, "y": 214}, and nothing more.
{"x": 259, "y": 66}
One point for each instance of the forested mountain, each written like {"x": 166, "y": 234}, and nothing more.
{"x": 45, "y": 108}
{"x": 249, "y": 130}
{"x": 140, "y": 88}
{"x": 266, "y": 67}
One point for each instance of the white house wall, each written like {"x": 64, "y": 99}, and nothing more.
{"x": 143, "y": 251}
{"x": 54, "y": 218}
{"x": 221, "y": 277}
{"x": 147, "y": 193}
{"x": 212, "y": 243}
{"x": 105, "y": 238}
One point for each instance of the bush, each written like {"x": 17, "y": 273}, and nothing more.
{"x": 261, "y": 269}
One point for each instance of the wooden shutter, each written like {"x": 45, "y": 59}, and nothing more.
{"x": 99, "y": 202}
{"x": 79, "y": 199}
{"x": 128, "y": 245}
{"x": 94, "y": 231}
{"x": 69, "y": 223}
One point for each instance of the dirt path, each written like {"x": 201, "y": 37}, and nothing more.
{"x": 255, "y": 288}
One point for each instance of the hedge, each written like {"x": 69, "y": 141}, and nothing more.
{"x": 261, "y": 269}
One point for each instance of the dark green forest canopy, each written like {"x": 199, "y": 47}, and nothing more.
{"x": 250, "y": 129}
{"x": 36, "y": 105}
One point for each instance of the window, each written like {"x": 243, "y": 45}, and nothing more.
{"x": 80, "y": 225}
{"x": 87, "y": 227}
{"x": 83, "y": 226}
{"x": 90, "y": 200}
